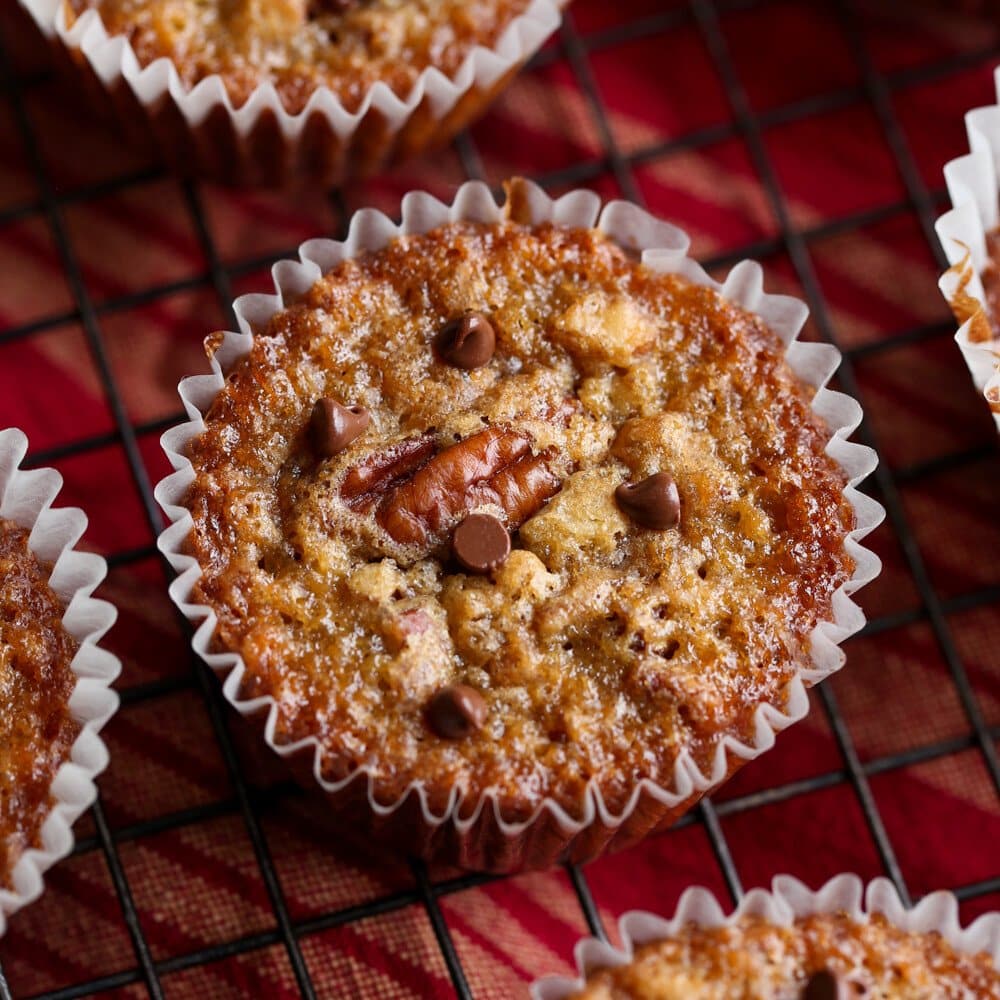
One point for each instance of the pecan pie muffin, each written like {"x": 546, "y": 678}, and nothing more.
{"x": 37, "y": 729}
{"x": 280, "y": 92}
{"x": 970, "y": 241}
{"x": 497, "y": 510}
{"x": 824, "y": 956}
{"x": 977, "y": 310}
{"x": 299, "y": 45}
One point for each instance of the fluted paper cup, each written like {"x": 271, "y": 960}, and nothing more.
{"x": 199, "y": 130}
{"x": 974, "y": 188}
{"x": 477, "y": 835}
{"x": 788, "y": 900}
{"x": 26, "y": 499}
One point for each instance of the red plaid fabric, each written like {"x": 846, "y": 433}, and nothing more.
{"x": 850, "y": 128}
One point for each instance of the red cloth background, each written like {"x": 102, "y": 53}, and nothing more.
{"x": 147, "y": 269}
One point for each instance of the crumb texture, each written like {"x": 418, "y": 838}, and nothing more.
{"x": 755, "y": 960}
{"x": 36, "y": 728}
{"x": 300, "y": 45}
{"x": 601, "y": 649}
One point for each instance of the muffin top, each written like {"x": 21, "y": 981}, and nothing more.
{"x": 299, "y": 45}
{"x": 498, "y": 507}
{"x": 36, "y": 681}
{"x": 821, "y": 957}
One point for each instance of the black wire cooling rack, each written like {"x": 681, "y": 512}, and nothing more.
{"x": 577, "y": 50}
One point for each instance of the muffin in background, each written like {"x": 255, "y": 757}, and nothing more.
{"x": 970, "y": 238}
{"x": 264, "y": 93}
{"x": 842, "y": 942}
{"x": 346, "y": 46}
{"x": 55, "y": 681}
{"x": 37, "y": 728}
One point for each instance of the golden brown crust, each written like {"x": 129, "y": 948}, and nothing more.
{"x": 755, "y": 960}
{"x": 602, "y": 649}
{"x": 300, "y": 45}
{"x": 36, "y": 728}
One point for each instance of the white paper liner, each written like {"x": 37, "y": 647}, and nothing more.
{"x": 663, "y": 248}
{"x": 114, "y": 62}
{"x": 788, "y": 900}
{"x": 974, "y": 188}
{"x": 25, "y": 499}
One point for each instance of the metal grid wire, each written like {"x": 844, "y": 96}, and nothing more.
{"x": 576, "y": 50}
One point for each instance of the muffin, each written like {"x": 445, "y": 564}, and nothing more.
{"x": 346, "y": 46}
{"x": 54, "y": 678}
{"x": 497, "y": 512}
{"x": 970, "y": 239}
{"x": 321, "y": 88}
{"x": 37, "y": 728}
{"x": 975, "y": 301}
{"x": 821, "y": 946}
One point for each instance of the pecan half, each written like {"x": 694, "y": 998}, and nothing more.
{"x": 493, "y": 466}
{"x": 368, "y": 483}
{"x": 520, "y": 489}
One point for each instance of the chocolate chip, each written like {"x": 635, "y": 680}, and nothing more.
{"x": 317, "y": 7}
{"x": 481, "y": 543}
{"x": 652, "y": 502}
{"x": 334, "y": 426}
{"x": 456, "y": 711}
{"x": 824, "y": 985}
{"x": 467, "y": 343}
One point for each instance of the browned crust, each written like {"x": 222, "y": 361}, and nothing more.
{"x": 36, "y": 681}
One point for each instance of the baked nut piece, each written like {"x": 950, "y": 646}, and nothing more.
{"x": 819, "y": 957}
{"x": 36, "y": 728}
{"x": 499, "y": 508}
{"x": 300, "y": 45}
